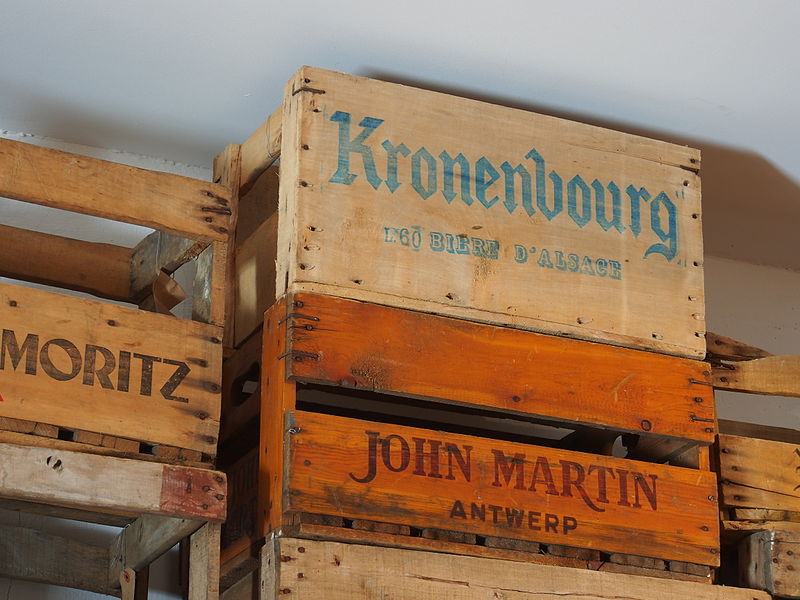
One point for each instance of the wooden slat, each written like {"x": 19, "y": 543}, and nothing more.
{"x": 158, "y": 252}
{"x": 764, "y": 432}
{"x": 150, "y": 536}
{"x": 772, "y": 376}
{"x": 80, "y": 480}
{"x": 306, "y": 569}
{"x": 721, "y": 347}
{"x": 255, "y": 278}
{"x": 111, "y": 518}
{"x": 261, "y": 149}
{"x": 344, "y": 342}
{"x": 765, "y": 514}
{"x": 171, "y": 203}
{"x": 109, "y": 369}
{"x": 759, "y": 473}
{"x": 37, "y": 556}
{"x": 337, "y": 466}
{"x": 204, "y": 563}
{"x": 91, "y": 267}
{"x": 768, "y": 561}
{"x": 350, "y": 229}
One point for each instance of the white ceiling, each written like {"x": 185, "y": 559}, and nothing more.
{"x": 179, "y": 79}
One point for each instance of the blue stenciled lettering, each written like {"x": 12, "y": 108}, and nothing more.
{"x": 485, "y": 176}
{"x": 525, "y": 178}
{"x": 391, "y": 163}
{"x": 600, "y": 206}
{"x": 416, "y": 173}
{"x": 348, "y": 146}
{"x": 635, "y": 196}
{"x": 583, "y": 216}
{"x": 448, "y": 165}
{"x": 669, "y": 249}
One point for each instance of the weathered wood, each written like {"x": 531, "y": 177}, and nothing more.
{"x": 344, "y": 342}
{"x": 255, "y": 278}
{"x": 765, "y": 514}
{"x": 725, "y": 348}
{"x": 754, "y": 526}
{"x": 764, "y": 432}
{"x": 109, "y": 369}
{"x": 80, "y": 480}
{"x": 91, "y": 267}
{"x": 772, "y": 376}
{"x": 163, "y": 201}
{"x": 335, "y": 465}
{"x": 208, "y": 292}
{"x": 127, "y": 584}
{"x": 759, "y": 473}
{"x": 337, "y": 571}
{"x": 261, "y": 149}
{"x": 227, "y": 172}
{"x": 609, "y": 567}
{"x": 488, "y": 213}
{"x": 204, "y": 563}
{"x": 150, "y": 536}
{"x": 112, "y": 518}
{"x": 245, "y": 588}
{"x": 258, "y": 203}
{"x": 158, "y": 252}
{"x": 37, "y": 556}
{"x": 769, "y": 561}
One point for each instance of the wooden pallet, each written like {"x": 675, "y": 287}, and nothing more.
{"x": 412, "y": 432}
{"x": 368, "y": 206}
{"x": 302, "y": 568}
{"x": 158, "y": 505}
{"x": 101, "y": 370}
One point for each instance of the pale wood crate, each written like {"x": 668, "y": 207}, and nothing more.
{"x": 300, "y": 568}
{"x": 93, "y": 375}
{"x": 552, "y": 225}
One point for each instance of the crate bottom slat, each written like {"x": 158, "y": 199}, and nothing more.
{"x": 30, "y": 433}
{"x": 361, "y": 531}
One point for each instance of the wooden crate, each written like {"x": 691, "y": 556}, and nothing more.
{"x": 431, "y": 202}
{"x": 769, "y": 561}
{"x": 299, "y": 568}
{"x": 100, "y": 376}
{"x": 423, "y": 424}
{"x": 156, "y": 506}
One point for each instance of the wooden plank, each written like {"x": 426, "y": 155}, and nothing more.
{"x": 551, "y": 226}
{"x": 172, "y": 203}
{"x": 769, "y": 561}
{"x": 227, "y": 172}
{"x": 208, "y": 297}
{"x": 759, "y": 473}
{"x": 773, "y": 376}
{"x": 33, "y": 555}
{"x": 337, "y": 571}
{"x": 721, "y": 347}
{"x": 245, "y": 588}
{"x": 103, "y": 518}
{"x": 261, "y": 149}
{"x": 158, "y": 252}
{"x": 80, "y": 480}
{"x": 764, "y": 432}
{"x": 204, "y": 563}
{"x": 764, "y": 514}
{"x": 255, "y": 278}
{"x": 91, "y": 267}
{"x": 150, "y": 536}
{"x": 258, "y": 203}
{"x": 360, "y": 469}
{"x": 109, "y": 369}
{"x": 754, "y": 526}
{"x": 350, "y": 343}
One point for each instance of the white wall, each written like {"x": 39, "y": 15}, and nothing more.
{"x": 758, "y": 305}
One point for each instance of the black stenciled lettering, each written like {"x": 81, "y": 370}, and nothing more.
{"x": 458, "y": 510}
{"x": 175, "y": 380}
{"x": 649, "y": 491}
{"x": 10, "y": 347}
{"x": 464, "y": 463}
{"x": 146, "y": 383}
{"x": 72, "y": 353}
{"x": 507, "y": 467}
{"x": 551, "y": 523}
{"x": 568, "y": 483}
{"x": 90, "y": 369}
{"x": 124, "y": 371}
{"x": 569, "y": 524}
{"x": 372, "y": 458}
{"x": 386, "y": 453}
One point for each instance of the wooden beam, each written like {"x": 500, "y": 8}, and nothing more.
{"x": 261, "y": 149}
{"x": 764, "y": 432}
{"x": 33, "y": 555}
{"x": 81, "y": 480}
{"x": 721, "y": 347}
{"x": 305, "y": 569}
{"x": 772, "y": 376}
{"x": 150, "y": 536}
{"x": 204, "y": 563}
{"x": 60, "y": 512}
{"x": 208, "y": 292}
{"x": 171, "y": 203}
{"x": 99, "y": 269}
{"x": 767, "y": 561}
{"x": 158, "y": 252}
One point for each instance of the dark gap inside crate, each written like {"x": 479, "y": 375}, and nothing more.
{"x": 145, "y": 448}
{"x": 67, "y": 435}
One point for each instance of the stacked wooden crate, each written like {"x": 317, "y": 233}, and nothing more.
{"x": 110, "y": 413}
{"x": 424, "y": 261}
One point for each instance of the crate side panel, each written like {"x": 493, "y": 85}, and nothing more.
{"x": 759, "y": 473}
{"x": 423, "y": 478}
{"x": 390, "y": 349}
{"x": 551, "y": 225}
{"x": 109, "y": 369}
